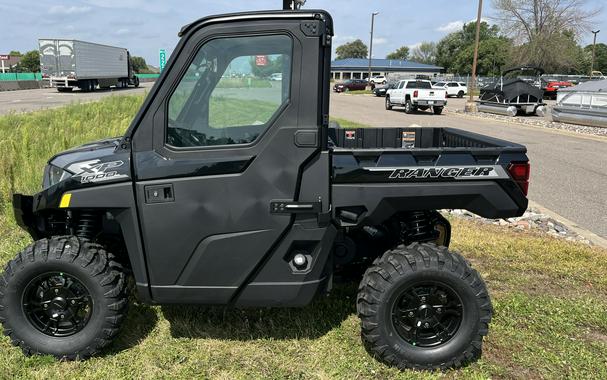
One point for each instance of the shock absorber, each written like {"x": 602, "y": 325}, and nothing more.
{"x": 87, "y": 224}
{"x": 417, "y": 226}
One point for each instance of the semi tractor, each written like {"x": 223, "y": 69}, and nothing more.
{"x": 69, "y": 64}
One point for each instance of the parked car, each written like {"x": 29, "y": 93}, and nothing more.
{"x": 382, "y": 90}
{"x": 276, "y": 77}
{"x": 458, "y": 89}
{"x": 380, "y": 79}
{"x": 553, "y": 86}
{"x": 416, "y": 94}
{"x": 350, "y": 85}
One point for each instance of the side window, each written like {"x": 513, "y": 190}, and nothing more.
{"x": 452, "y": 85}
{"x": 401, "y": 85}
{"x": 230, "y": 92}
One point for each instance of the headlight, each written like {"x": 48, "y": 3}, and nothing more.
{"x": 53, "y": 175}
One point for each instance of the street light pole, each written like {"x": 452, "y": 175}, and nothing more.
{"x": 593, "y": 51}
{"x": 371, "y": 46}
{"x": 475, "y": 60}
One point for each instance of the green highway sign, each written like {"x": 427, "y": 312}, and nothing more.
{"x": 163, "y": 59}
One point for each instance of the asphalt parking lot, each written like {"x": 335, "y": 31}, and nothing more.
{"x": 567, "y": 170}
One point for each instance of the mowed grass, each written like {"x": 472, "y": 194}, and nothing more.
{"x": 549, "y": 295}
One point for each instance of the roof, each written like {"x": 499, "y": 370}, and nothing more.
{"x": 382, "y": 65}
{"x": 590, "y": 86}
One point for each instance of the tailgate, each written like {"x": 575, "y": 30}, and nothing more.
{"x": 433, "y": 94}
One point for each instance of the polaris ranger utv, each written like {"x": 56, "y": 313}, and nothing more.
{"x": 248, "y": 198}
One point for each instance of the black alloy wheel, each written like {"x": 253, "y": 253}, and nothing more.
{"x": 427, "y": 314}
{"x": 57, "y": 304}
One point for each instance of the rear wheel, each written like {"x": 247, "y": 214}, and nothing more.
{"x": 64, "y": 297}
{"x": 388, "y": 103}
{"x": 409, "y": 106}
{"x": 437, "y": 110}
{"x": 423, "y": 307}
{"x": 460, "y": 94}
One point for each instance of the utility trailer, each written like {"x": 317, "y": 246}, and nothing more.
{"x": 513, "y": 95}
{"x": 68, "y": 64}
{"x": 215, "y": 198}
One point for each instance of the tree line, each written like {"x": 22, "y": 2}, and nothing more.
{"x": 543, "y": 33}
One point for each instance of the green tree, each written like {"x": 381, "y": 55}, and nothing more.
{"x": 455, "y": 52}
{"x": 354, "y": 49}
{"x": 546, "y": 31}
{"x": 401, "y": 53}
{"x": 600, "y": 57}
{"x": 15, "y": 53}
{"x": 139, "y": 64}
{"x": 30, "y": 62}
{"x": 424, "y": 53}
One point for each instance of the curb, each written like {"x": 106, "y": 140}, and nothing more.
{"x": 591, "y": 236}
{"x": 535, "y": 127}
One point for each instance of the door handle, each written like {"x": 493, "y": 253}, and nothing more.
{"x": 159, "y": 193}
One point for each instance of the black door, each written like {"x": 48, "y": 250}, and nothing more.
{"x": 224, "y": 145}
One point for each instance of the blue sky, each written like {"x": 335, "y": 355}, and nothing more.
{"x": 144, "y": 26}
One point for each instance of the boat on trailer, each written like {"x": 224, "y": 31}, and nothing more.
{"x": 584, "y": 104}
{"x": 515, "y": 94}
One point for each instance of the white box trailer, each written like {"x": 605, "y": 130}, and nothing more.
{"x": 67, "y": 64}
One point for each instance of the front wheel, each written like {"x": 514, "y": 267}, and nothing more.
{"x": 423, "y": 307}
{"x": 388, "y": 103}
{"x": 64, "y": 297}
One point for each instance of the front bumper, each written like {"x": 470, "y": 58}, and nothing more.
{"x": 23, "y": 208}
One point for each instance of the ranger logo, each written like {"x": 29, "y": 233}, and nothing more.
{"x": 437, "y": 172}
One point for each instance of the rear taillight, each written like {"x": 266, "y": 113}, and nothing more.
{"x": 415, "y": 93}
{"x": 520, "y": 174}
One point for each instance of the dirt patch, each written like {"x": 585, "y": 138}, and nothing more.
{"x": 595, "y": 335}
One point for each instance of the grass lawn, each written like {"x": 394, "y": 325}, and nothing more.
{"x": 549, "y": 295}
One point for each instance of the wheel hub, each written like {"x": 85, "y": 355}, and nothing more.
{"x": 427, "y": 314}
{"x": 57, "y": 304}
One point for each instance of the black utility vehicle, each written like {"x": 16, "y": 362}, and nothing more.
{"x": 216, "y": 197}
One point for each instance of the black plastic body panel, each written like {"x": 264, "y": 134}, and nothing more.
{"x": 439, "y": 168}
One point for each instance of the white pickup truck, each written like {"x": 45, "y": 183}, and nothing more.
{"x": 414, "y": 94}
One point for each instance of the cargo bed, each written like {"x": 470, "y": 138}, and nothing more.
{"x": 400, "y": 169}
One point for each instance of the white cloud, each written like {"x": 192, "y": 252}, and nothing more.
{"x": 451, "y": 27}
{"x": 379, "y": 40}
{"x": 68, "y": 10}
{"x": 342, "y": 39}
{"x": 414, "y": 46}
{"x": 122, "y": 32}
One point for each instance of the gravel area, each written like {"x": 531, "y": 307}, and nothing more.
{"x": 539, "y": 122}
{"x": 531, "y": 219}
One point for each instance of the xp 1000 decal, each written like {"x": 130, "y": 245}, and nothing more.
{"x": 97, "y": 171}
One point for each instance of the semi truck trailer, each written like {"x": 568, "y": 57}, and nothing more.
{"x": 69, "y": 64}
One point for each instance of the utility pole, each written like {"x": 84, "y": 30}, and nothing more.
{"x": 471, "y": 106}
{"x": 371, "y": 46}
{"x": 593, "y": 52}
